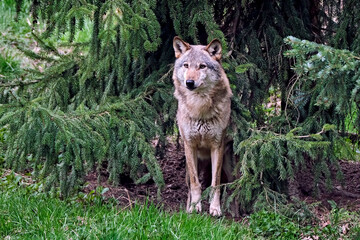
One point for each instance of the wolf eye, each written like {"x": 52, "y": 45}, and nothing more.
{"x": 186, "y": 65}
{"x": 202, "y": 66}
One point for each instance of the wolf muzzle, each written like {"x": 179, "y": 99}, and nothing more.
{"x": 190, "y": 84}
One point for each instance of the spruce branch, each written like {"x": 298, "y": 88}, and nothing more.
{"x": 18, "y": 83}
{"x": 326, "y": 128}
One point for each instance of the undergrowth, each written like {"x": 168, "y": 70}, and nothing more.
{"x": 101, "y": 98}
{"x": 27, "y": 212}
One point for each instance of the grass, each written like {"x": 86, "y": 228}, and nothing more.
{"x": 26, "y": 212}
{"x": 29, "y": 216}
{"x": 8, "y": 25}
{"x": 12, "y": 60}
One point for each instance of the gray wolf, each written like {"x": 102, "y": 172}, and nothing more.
{"x": 203, "y": 93}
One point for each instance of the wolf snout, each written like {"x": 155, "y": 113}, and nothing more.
{"x": 190, "y": 84}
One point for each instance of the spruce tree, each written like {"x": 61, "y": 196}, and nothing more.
{"x": 97, "y": 102}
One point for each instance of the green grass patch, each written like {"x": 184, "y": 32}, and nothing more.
{"x": 26, "y": 212}
{"x": 273, "y": 226}
{"x": 8, "y": 17}
{"x": 8, "y": 65}
{"x": 29, "y": 216}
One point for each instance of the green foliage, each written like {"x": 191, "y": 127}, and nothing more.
{"x": 271, "y": 225}
{"x": 199, "y": 15}
{"x": 347, "y": 35}
{"x": 69, "y": 145}
{"x": 341, "y": 224}
{"x": 29, "y": 212}
{"x": 12, "y": 17}
{"x": 319, "y": 99}
{"x": 8, "y": 66}
{"x": 257, "y": 45}
{"x": 35, "y": 216}
{"x": 93, "y": 106}
{"x": 328, "y": 79}
{"x": 97, "y": 98}
{"x": 269, "y": 160}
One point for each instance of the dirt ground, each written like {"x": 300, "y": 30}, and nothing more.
{"x": 174, "y": 194}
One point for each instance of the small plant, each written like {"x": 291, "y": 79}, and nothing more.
{"x": 340, "y": 223}
{"x": 272, "y": 225}
{"x": 8, "y": 65}
{"x": 94, "y": 197}
{"x": 14, "y": 17}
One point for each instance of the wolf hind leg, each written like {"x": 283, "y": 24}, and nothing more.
{"x": 228, "y": 167}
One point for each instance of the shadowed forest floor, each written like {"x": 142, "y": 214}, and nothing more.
{"x": 174, "y": 194}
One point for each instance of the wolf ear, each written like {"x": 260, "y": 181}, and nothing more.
{"x": 180, "y": 46}
{"x": 214, "y": 49}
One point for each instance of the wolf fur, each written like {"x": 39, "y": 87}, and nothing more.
{"x": 203, "y": 93}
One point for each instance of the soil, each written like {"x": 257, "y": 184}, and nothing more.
{"x": 173, "y": 195}
{"x": 346, "y": 192}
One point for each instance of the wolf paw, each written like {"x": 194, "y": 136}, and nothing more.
{"x": 194, "y": 206}
{"x": 215, "y": 211}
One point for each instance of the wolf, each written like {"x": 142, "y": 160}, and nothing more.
{"x": 203, "y": 93}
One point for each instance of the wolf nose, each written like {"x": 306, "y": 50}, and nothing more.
{"x": 190, "y": 84}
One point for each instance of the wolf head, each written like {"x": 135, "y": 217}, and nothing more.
{"x": 197, "y": 67}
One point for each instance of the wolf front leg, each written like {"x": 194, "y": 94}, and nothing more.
{"x": 216, "y": 165}
{"x": 194, "y": 195}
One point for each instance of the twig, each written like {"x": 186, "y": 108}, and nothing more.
{"x": 166, "y": 74}
{"x": 307, "y": 136}
{"x": 15, "y": 84}
{"x": 127, "y": 193}
{"x": 288, "y": 99}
